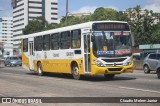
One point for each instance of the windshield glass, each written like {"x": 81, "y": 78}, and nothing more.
{"x": 111, "y": 43}
{"x": 14, "y": 58}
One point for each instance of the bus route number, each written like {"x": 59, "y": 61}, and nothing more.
{"x": 69, "y": 54}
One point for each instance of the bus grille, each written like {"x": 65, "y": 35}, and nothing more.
{"x": 114, "y": 69}
{"x": 114, "y": 60}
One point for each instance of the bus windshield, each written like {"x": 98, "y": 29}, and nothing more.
{"x": 111, "y": 43}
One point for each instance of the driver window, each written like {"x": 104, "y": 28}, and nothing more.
{"x": 123, "y": 40}
{"x": 109, "y": 42}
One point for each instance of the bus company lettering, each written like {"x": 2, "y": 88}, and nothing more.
{"x": 45, "y": 55}
{"x": 123, "y": 51}
{"x": 38, "y": 56}
{"x": 69, "y": 54}
{"x": 55, "y": 55}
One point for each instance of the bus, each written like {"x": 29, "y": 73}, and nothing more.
{"x": 91, "y": 48}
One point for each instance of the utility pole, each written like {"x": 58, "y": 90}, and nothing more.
{"x": 66, "y": 12}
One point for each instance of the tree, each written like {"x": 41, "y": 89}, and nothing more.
{"x": 85, "y": 18}
{"x": 141, "y": 22}
{"x": 155, "y": 36}
{"x": 52, "y": 26}
{"x": 104, "y": 14}
{"x": 72, "y": 20}
{"x": 122, "y": 16}
{"x": 37, "y": 25}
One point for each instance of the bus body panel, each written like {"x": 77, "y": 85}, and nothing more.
{"x": 25, "y": 60}
{"x": 58, "y": 61}
{"x": 59, "y": 66}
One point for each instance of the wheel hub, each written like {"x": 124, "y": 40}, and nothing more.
{"x": 76, "y": 71}
{"x": 39, "y": 70}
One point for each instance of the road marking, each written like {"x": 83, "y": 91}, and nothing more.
{"x": 2, "y": 95}
{"x": 144, "y": 90}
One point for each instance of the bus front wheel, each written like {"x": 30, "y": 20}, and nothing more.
{"x": 40, "y": 71}
{"x": 109, "y": 76}
{"x": 75, "y": 72}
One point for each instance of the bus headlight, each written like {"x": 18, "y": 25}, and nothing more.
{"x": 99, "y": 63}
{"x": 128, "y": 62}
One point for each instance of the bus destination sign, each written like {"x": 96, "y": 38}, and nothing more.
{"x": 110, "y": 27}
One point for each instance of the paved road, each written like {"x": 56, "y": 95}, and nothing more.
{"x": 18, "y": 82}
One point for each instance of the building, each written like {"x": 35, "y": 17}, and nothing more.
{"x": 132, "y": 14}
{"x": 6, "y": 35}
{"x": 79, "y": 14}
{"x": 26, "y": 10}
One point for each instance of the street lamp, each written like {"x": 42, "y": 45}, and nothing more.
{"x": 66, "y": 12}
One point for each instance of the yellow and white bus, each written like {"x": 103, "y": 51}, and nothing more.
{"x": 99, "y": 47}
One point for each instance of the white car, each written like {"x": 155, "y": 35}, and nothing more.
{"x": 13, "y": 61}
{"x": 152, "y": 63}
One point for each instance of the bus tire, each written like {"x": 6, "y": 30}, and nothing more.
{"x": 109, "y": 76}
{"x": 39, "y": 69}
{"x": 75, "y": 72}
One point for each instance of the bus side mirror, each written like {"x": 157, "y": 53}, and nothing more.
{"x": 132, "y": 38}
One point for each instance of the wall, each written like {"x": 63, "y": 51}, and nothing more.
{"x": 138, "y": 64}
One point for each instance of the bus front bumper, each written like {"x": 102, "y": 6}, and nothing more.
{"x": 112, "y": 69}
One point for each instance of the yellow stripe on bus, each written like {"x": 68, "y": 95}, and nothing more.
{"x": 59, "y": 65}
{"x": 25, "y": 60}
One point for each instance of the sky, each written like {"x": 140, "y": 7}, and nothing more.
{"x": 76, "y": 6}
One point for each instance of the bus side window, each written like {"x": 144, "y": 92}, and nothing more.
{"x": 39, "y": 43}
{"x": 46, "y": 42}
{"x": 76, "y": 39}
{"x": 65, "y": 40}
{"x": 55, "y": 41}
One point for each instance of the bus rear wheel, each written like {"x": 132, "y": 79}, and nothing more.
{"x": 75, "y": 72}
{"x": 39, "y": 69}
{"x": 109, "y": 76}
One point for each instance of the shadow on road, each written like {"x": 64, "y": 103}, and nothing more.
{"x": 95, "y": 78}
{"x": 1, "y": 67}
{"x": 99, "y": 78}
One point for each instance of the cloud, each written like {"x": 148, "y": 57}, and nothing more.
{"x": 86, "y": 9}
{"x": 115, "y": 8}
{"x": 90, "y": 9}
{"x": 153, "y": 5}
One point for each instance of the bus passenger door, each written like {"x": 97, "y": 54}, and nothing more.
{"x": 87, "y": 53}
{"x": 31, "y": 64}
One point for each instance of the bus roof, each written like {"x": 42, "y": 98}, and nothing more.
{"x": 72, "y": 27}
